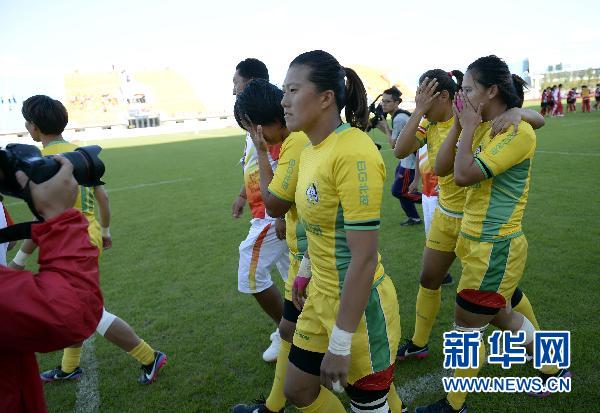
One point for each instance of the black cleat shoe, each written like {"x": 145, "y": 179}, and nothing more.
{"x": 409, "y": 350}
{"x": 257, "y": 406}
{"x": 150, "y": 371}
{"x": 441, "y": 406}
{"x": 561, "y": 373}
{"x": 411, "y": 221}
{"x": 57, "y": 374}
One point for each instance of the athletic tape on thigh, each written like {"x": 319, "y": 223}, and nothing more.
{"x": 307, "y": 361}
{"x": 376, "y": 406}
{"x": 471, "y": 329}
{"x": 105, "y": 322}
{"x": 529, "y": 329}
{"x": 290, "y": 312}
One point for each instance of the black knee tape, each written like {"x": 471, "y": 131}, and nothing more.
{"x": 475, "y": 308}
{"x": 290, "y": 312}
{"x": 516, "y": 297}
{"x": 307, "y": 361}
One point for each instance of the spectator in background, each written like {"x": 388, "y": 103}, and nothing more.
{"x": 406, "y": 169}
{"x": 558, "y": 106}
{"x": 585, "y": 99}
{"x": 544, "y": 102}
{"x": 597, "y": 96}
{"x": 550, "y": 95}
{"x": 572, "y": 100}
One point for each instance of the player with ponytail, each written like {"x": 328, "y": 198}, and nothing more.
{"x": 349, "y": 329}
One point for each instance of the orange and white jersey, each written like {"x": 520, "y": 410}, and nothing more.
{"x": 428, "y": 176}
{"x": 252, "y": 176}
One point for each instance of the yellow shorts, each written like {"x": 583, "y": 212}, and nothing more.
{"x": 443, "y": 232}
{"x": 375, "y": 342}
{"x": 292, "y": 272}
{"x": 490, "y": 267}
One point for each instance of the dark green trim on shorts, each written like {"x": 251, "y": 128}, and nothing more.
{"x": 496, "y": 266}
{"x": 379, "y": 345}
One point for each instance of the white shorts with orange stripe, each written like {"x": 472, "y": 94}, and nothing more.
{"x": 259, "y": 253}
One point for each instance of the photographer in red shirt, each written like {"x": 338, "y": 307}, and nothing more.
{"x": 59, "y": 306}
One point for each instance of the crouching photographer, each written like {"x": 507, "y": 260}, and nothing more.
{"x": 62, "y": 303}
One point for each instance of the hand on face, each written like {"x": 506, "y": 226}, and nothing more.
{"x": 468, "y": 116}
{"x": 256, "y": 133}
{"x": 426, "y": 93}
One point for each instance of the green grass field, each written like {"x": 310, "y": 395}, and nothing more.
{"x": 172, "y": 275}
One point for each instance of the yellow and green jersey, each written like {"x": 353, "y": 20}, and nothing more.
{"x": 283, "y": 186}
{"x": 494, "y": 207}
{"x": 340, "y": 186}
{"x": 451, "y": 198}
{"x": 85, "y": 195}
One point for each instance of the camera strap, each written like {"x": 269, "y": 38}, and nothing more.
{"x": 29, "y": 200}
{"x": 16, "y": 232}
{"x": 21, "y": 231}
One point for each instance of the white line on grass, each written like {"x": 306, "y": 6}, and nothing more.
{"x": 428, "y": 384}
{"x": 126, "y": 188}
{"x": 88, "y": 400}
{"x": 570, "y": 153}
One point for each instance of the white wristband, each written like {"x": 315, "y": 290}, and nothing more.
{"x": 340, "y": 342}
{"x": 105, "y": 231}
{"x": 304, "y": 270}
{"x": 20, "y": 258}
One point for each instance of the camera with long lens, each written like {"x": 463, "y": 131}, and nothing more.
{"x": 378, "y": 114}
{"x": 87, "y": 167}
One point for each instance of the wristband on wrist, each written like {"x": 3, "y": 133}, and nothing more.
{"x": 340, "y": 342}
{"x": 105, "y": 231}
{"x": 20, "y": 258}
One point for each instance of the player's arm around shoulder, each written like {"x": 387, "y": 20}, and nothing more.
{"x": 507, "y": 150}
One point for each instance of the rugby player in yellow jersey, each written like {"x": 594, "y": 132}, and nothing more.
{"x": 45, "y": 120}
{"x": 430, "y": 123}
{"x": 492, "y": 248}
{"x": 258, "y": 110}
{"x": 348, "y": 332}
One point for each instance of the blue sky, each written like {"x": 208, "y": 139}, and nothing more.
{"x": 42, "y": 40}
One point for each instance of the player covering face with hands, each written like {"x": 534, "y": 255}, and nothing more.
{"x": 491, "y": 246}
{"x": 258, "y": 110}
{"x": 433, "y": 123}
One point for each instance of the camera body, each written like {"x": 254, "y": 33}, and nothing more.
{"x": 87, "y": 167}
{"x": 379, "y": 115}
